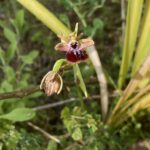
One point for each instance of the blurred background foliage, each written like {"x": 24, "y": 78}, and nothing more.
{"x": 27, "y": 54}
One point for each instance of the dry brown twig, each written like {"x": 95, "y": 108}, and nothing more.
{"x": 20, "y": 93}
{"x": 46, "y": 134}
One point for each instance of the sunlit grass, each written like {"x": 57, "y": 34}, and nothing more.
{"x": 132, "y": 24}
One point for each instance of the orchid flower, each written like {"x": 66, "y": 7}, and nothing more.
{"x": 74, "y": 47}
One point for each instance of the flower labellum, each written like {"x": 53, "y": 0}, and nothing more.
{"x": 51, "y": 83}
{"x": 74, "y": 47}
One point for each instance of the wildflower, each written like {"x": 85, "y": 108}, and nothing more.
{"x": 74, "y": 47}
{"x": 51, "y": 83}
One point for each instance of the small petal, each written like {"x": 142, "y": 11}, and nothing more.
{"x": 85, "y": 43}
{"x": 62, "y": 47}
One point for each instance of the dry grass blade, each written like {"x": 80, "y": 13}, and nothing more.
{"x": 143, "y": 103}
{"x": 121, "y": 115}
{"x": 101, "y": 78}
{"x": 133, "y": 100}
{"x": 132, "y": 86}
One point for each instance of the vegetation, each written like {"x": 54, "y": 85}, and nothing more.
{"x": 53, "y": 100}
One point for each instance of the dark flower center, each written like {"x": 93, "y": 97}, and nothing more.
{"x": 74, "y": 45}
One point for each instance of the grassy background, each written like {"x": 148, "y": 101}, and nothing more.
{"x": 27, "y": 54}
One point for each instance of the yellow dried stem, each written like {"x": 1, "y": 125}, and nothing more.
{"x": 132, "y": 86}
{"x": 142, "y": 104}
{"x": 122, "y": 112}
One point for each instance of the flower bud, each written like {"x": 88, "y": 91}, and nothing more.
{"x": 51, "y": 83}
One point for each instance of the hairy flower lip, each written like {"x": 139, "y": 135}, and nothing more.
{"x": 76, "y": 56}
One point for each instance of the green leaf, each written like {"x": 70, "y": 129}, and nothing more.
{"x": 19, "y": 20}
{"x": 29, "y": 58}
{"x": 58, "y": 64}
{"x": 65, "y": 113}
{"x": 6, "y": 86}
{"x": 52, "y": 145}
{"x": 65, "y": 19}
{"x": 1, "y": 146}
{"x": 98, "y": 24}
{"x": 9, "y": 35}
{"x": 2, "y": 56}
{"x": 78, "y": 74}
{"x": 11, "y": 51}
{"x": 9, "y": 73}
{"x": 77, "y": 134}
{"x": 19, "y": 114}
{"x": 2, "y": 24}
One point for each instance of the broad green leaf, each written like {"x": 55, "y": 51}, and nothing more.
{"x": 79, "y": 77}
{"x": 58, "y": 64}
{"x": 29, "y": 58}
{"x": 19, "y": 114}
{"x": 77, "y": 134}
{"x": 9, "y": 35}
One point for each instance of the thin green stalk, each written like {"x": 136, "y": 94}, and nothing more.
{"x": 80, "y": 80}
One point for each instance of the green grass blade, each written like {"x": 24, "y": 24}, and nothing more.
{"x": 133, "y": 20}
{"x": 78, "y": 74}
{"x": 45, "y": 16}
{"x": 143, "y": 47}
